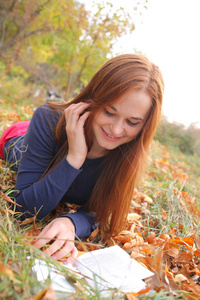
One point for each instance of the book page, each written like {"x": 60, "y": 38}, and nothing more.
{"x": 112, "y": 267}
{"x": 59, "y": 283}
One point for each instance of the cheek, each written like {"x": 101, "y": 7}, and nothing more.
{"x": 99, "y": 119}
{"x": 133, "y": 132}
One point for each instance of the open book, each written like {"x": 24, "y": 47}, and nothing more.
{"x": 107, "y": 268}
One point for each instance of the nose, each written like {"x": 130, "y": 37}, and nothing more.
{"x": 117, "y": 128}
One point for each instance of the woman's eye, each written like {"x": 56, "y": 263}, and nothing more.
{"x": 131, "y": 123}
{"x": 108, "y": 112}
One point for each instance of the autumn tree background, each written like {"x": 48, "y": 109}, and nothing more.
{"x": 51, "y": 44}
{"x": 58, "y": 45}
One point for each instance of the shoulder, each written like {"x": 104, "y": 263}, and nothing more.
{"x": 45, "y": 118}
{"x": 45, "y": 112}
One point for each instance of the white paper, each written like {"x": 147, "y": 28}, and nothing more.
{"x": 113, "y": 268}
{"x": 110, "y": 267}
{"x": 59, "y": 283}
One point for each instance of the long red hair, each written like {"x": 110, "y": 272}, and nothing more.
{"x": 123, "y": 166}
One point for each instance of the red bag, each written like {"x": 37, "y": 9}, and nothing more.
{"x": 13, "y": 131}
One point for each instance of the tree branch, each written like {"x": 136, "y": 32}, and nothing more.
{"x": 23, "y": 26}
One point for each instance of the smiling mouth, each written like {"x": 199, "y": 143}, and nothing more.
{"x": 110, "y": 136}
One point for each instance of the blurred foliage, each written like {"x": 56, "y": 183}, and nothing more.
{"x": 179, "y": 137}
{"x": 58, "y": 44}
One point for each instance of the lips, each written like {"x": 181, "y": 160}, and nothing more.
{"x": 109, "y": 136}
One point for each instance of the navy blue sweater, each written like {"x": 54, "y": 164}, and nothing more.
{"x": 64, "y": 183}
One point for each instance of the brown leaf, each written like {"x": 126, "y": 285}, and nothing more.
{"x": 33, "y": 232}
{"x": 164, "y": 236}
{"x": 144, "y": 260}
{"x": 154, "y": 281}
{"x": 131, "y": 296}
{"x": 13, "y": 212}
{"x": 94, "y": 234}
{"x": 191, "y": 286}
{"x": 198, "y": 242}
{"x": 7, "y": 271}
{"x": 163, "y": 214}
{"x": 156, "y": 264}
{"x": 173, "y": 251}
{"x": 135, "y": 255}
{"x": 110, "y": 242}
{"x": 144, "y": 291}
{"x": 3, "y": 237}
{"x": 148, "y": 199}
{"x": 188, "y": 240}
{"x": 125, "y": 236}
{"x": 151, "y": 237}
{"x": 46, "y": 294}
{"x": 133, "y": 217}
{"x": 197, "y": 253}
{"x": 183, "y": 241}
{"x": 82, "y": 247}
{"x": 137, "y": 241}
{"x": 91, "y": 247}
{"x": 5, "y": 186}
{"x": 6, "y": 198}
{"x": 184, "y": 257}
{"x": 179, "y": 278}
{"x": 147, "y": 248}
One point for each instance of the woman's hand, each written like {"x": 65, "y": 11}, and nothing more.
{"x": 76, "y": 116}
{"x": 63, "y": 231}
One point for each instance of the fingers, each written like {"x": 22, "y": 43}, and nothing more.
{"x": 76, "y": 116}
{"x": 62, "y": 231}
{"x": 74, "y": 254}
{"x": 45, "y": 236}
{"x": 67, "y": 247}
{"x": 75, "y": 112}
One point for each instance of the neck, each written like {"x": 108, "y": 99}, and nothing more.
{"x": 96, "y": 153}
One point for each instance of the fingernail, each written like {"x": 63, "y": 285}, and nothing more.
{"x": 69, "y": 260}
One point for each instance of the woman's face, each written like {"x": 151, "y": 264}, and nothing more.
{"x": 119, "y": 122}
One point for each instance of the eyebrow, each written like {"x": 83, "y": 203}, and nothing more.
{"x": 135, "y": 118}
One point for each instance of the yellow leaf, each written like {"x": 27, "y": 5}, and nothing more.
{"x": 125, "y": 236}
{"x": 46, "y": 294}
{"x": 7, "y": 271}
{"x": 133, "y": 217}
{"x": 180, "y": 278}
{"x": 148, "y": 199}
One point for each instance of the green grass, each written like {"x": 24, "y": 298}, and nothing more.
{"x": 15, "y": 247}
{"x": 161, "y": 183}
{"x": 18, "y": 256}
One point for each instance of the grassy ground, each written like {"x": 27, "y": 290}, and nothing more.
{"x": 161, "y": 232}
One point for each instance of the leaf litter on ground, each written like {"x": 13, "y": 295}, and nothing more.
{"x": 161, "y": 233}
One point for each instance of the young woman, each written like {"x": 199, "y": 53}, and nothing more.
{"x": 90, "y": 152}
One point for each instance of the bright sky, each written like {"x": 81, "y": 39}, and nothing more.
{"x": 168, "y": 33}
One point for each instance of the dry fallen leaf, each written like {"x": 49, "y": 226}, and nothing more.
{"x": 94, "y": 234}
{"x": 198, "y": 242}
{"x": 46, "y": 294}
{"x": 147, "y": 199}
{"x": 151, "y": 237}
{"x": 7, "y": 271}
{"x": 179, "y": 278}
{"x": 6, "y": 198}
{"x": 125, "y": 236}
{"x": 136, "y": 241}
{"x": 131, "y": 297}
